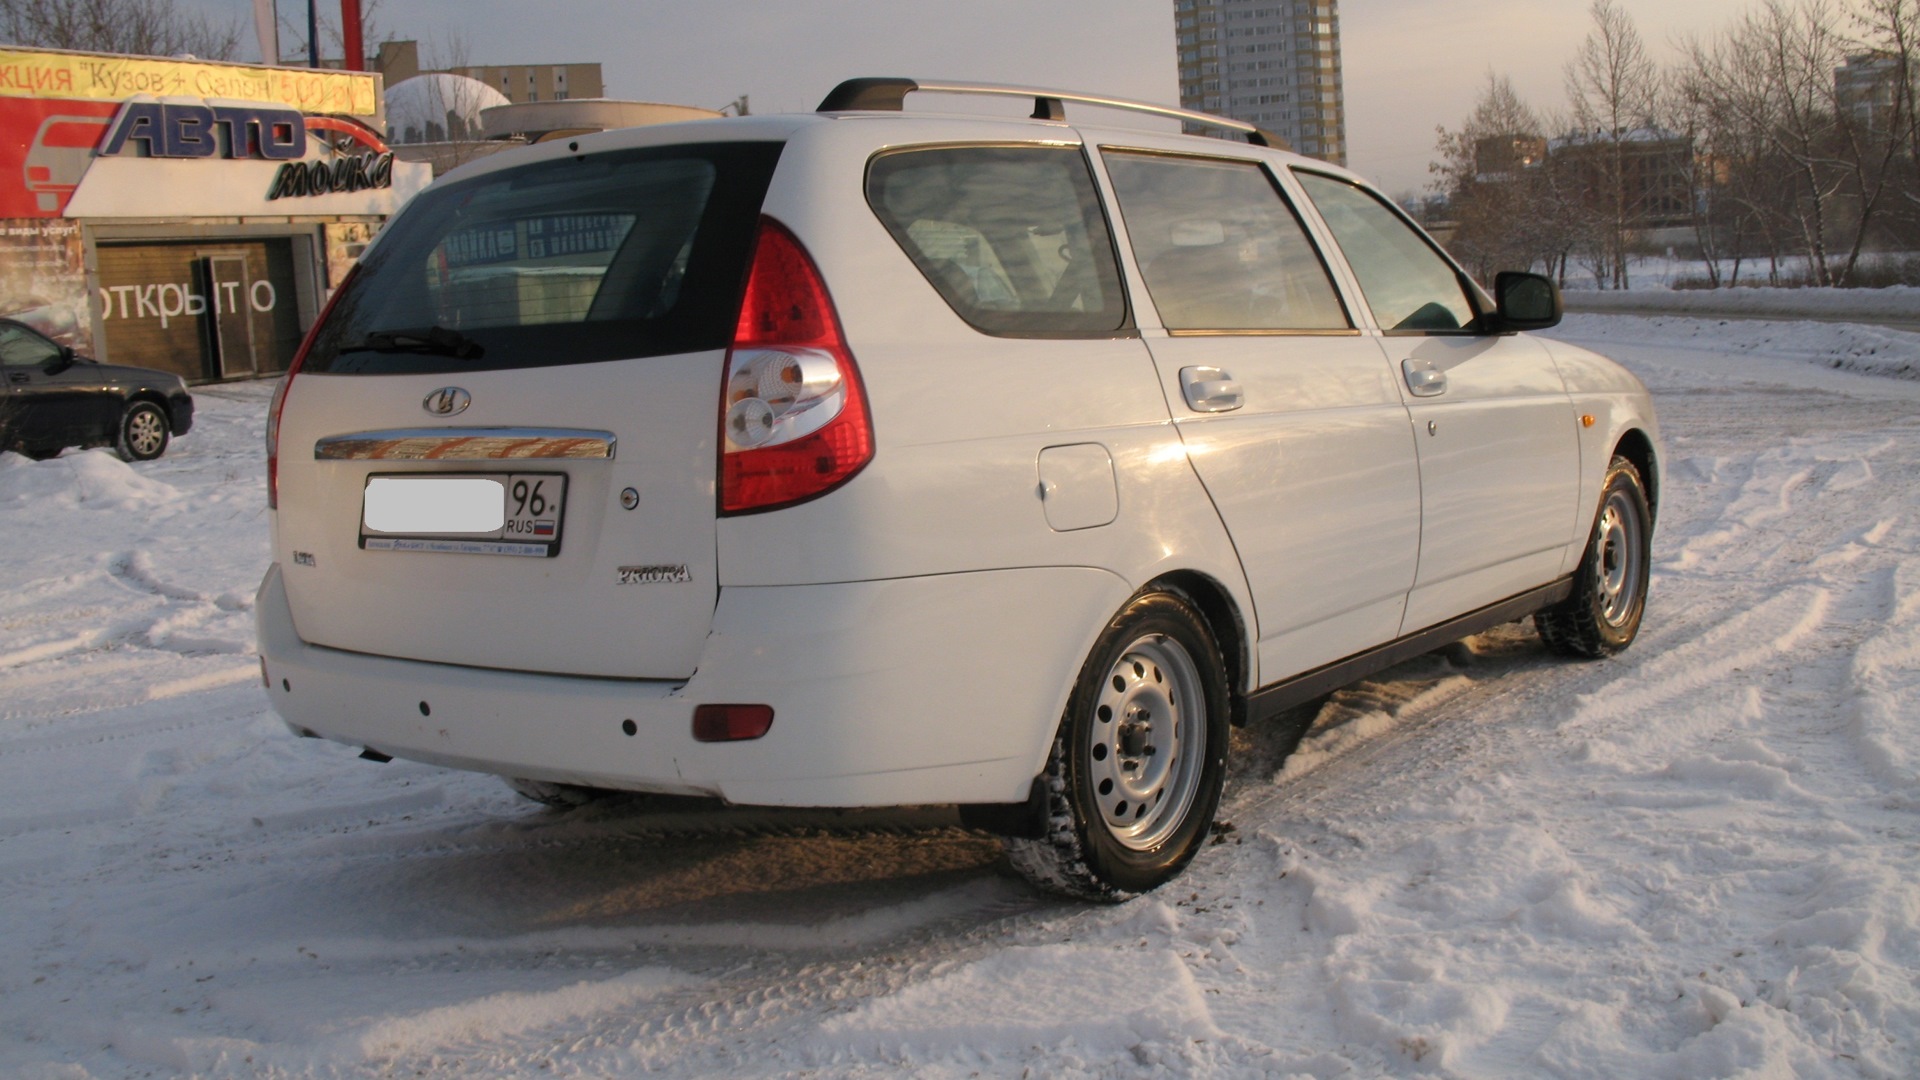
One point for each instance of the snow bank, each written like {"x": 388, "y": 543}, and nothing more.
{"x": 93, "y": 479}
{"x": 1866, "y": 350}
{"x": 1899, "y": 302}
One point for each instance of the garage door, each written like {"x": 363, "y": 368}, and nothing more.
{"x": 201, "y": 310}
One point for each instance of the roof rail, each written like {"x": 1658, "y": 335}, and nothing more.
{"x": 890, "y": 95}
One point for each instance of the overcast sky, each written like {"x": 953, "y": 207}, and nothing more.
{"x": 1409, "y": 64}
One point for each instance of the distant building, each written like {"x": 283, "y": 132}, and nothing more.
{"x": 1501, "y": 156}
{"x": 1867, "y": 87}
{"x": 1275, "y": 63}
{"x": 182, "y": 214}
{"x": 400, "y": 61}
{"x": 1654, "y": 165}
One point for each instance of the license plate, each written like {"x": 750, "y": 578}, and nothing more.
{"x": 465, "y": 514}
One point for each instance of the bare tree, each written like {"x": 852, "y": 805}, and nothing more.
{"x": 1613, "y": 88}
{"x": 1891, "y": 29}
{"x": 1785, "y": 57}
{"x": 139, "y": 27}
{"x": 1490, "y": 171}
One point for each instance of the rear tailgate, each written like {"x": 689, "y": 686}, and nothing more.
{"x": 544, "y": 344}
{"x": 628, "y": 593}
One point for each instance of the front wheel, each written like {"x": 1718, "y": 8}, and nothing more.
{"x": 143, "y": 432}
{"x": 1602, "y": 616}
{"x": 1139, "y": 759}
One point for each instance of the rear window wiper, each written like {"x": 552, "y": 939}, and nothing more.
{"x": 435, "y": 340}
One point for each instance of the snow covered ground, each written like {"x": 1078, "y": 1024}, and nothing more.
{"x": 1701, "y": 859}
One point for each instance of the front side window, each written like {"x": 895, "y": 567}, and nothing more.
{"x": 1012, "y": 237}
{"x": 1406, "y": 282}
{"x": 21, "y": 347}
{"x": 1218, "y": 246}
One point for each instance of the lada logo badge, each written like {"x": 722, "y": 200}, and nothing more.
{"x": 447, "y": 401}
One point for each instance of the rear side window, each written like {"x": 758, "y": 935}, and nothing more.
{"x": 1012, "y": 237}
{"x": 608, "y": 256}
{"x": 1219, "y": 248}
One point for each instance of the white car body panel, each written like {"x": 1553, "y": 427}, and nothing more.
{"x": 567, "y": 614}
{"x": 1614, "y": 397}
{"x": 1499, "y": 471}
{"x": 875, "y": 684}
{"x": 1317, "y": 481}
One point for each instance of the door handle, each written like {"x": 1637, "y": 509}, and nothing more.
{"x": 17, "y": 376}
{"x": 1423, "y": 378}
{"x": 1208, "y": 389}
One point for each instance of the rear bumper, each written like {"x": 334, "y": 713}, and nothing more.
{"x": 915, "y": 691}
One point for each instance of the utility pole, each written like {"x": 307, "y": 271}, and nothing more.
{"x": 350, "y": 33}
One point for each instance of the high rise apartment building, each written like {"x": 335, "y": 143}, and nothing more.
{"x": 1275, "y": 63}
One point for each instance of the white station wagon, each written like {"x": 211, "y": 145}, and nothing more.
{"x": 869, "y": 458}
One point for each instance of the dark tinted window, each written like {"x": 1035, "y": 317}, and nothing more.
{"x": 21, "y": 347}
{"x": 1219, "y": 247}
{"x": 1408, "y": 284}
{"x": 608, "y": 256}
{"x": 1012, "y": 237}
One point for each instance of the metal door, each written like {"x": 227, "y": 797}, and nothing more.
{"x": 229, "y": 315}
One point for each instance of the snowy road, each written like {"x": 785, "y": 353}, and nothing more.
{"x": 1701, "y": 859}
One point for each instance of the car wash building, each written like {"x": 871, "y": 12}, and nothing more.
{"x": 184, "y": 215}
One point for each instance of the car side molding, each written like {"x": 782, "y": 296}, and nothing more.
{"x": 1271, "y": 700}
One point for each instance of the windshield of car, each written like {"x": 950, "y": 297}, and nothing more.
{"x": 597, "y": 257}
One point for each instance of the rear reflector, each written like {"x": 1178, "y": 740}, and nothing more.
{"x": 731, "y": 723}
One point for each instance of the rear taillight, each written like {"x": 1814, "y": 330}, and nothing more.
{"x": 286, "y": 383}
{"x": 793, "y": 419}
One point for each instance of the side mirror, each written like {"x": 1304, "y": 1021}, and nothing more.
{"x": 1525, "y": 302}
{"x": 61, "y": 362}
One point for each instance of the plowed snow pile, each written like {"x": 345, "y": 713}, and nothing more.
{"x": 1699, "y": 859}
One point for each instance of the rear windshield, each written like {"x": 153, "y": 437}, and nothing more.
{"x": 607, "y": 256}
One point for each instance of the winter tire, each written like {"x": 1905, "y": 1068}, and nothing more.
{"x": 143, "y": 432}
{"x": 1138, "y": 762}
{"x": 1602, "y": 616}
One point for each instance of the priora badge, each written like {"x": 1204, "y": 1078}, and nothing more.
{"x": 447, "y": 401}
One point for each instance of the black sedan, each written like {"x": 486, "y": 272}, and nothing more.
{"x": 55, "y": 398}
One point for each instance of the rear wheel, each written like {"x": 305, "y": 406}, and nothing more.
{"x": 143, "y": 432}
{"x": 1602, "y": 616}
{"x": 1139, "y": 760}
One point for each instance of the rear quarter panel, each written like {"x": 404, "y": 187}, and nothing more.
{"x": 960, "y": 417}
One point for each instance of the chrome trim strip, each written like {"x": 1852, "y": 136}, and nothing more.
{"x": 1264, "y": 333}
{"x": 466, "y": 444}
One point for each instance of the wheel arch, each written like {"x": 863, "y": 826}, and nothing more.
{"x": 1224, "y": 621}
{"x": 1637, "y": 447}
{"x": 152, "y": 397}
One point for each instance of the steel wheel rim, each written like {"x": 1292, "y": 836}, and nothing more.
{"x": 1618, "y": 556}
{"x": 1147, "y": 746}
{"x": 143, "y": 432}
